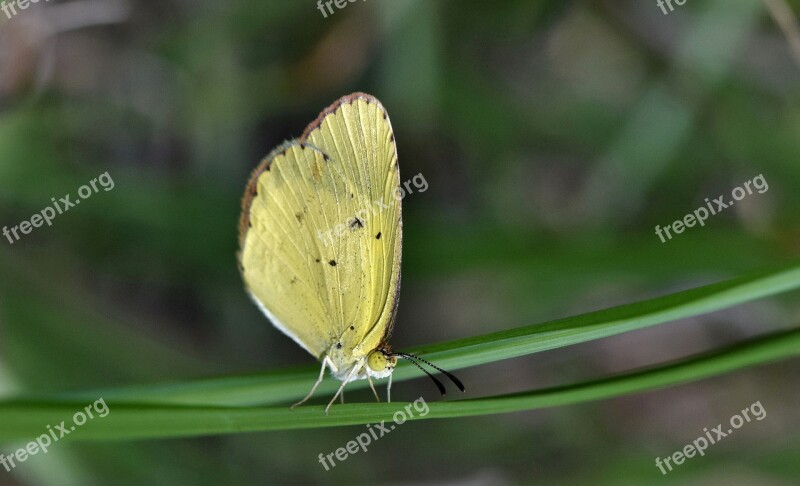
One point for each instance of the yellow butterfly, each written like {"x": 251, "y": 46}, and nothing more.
{"x": 320, "y": 240}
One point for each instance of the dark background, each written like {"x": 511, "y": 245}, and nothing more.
{"x": 554, "y": 135}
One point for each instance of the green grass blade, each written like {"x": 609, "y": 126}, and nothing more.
{"x": 287, "y": 385}
{"x": 22, "y": 420}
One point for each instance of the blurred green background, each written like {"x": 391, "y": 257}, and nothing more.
{"x": 554, "y": 135}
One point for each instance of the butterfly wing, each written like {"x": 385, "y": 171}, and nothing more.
{"x": 320, "y": 232}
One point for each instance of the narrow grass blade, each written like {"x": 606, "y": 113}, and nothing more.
{"x": 24, "y": 420}
{"x": 287, "y": 385}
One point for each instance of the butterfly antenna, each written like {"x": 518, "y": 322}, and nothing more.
{"x": 452, "y": 377}
{"x": 438, "y": 383}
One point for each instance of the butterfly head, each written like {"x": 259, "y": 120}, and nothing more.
{"x": 381, "y": 363}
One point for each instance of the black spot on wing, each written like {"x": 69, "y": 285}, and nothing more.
{"x": 356, "y": 223}
{"x": 378, "y": 236}
{"x": 332, "y": 263}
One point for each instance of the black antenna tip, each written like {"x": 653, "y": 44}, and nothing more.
{"x": 451, "y": 376}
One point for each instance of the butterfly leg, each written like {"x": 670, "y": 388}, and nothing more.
{"x": 325, "y": 362}
{"x": 369, "y": 379}
{"x": 350, "y": 376}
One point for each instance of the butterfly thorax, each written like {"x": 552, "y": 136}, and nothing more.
{"x": 379, "y": 363}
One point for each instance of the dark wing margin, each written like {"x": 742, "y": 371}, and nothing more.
{"x": 251, "y": 190}
{"x": 335, "y": 106}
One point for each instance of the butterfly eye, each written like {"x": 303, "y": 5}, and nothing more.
{"x": 377, "y": 361}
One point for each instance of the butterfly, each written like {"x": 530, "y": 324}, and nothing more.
{"x": 320, "y": 239}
